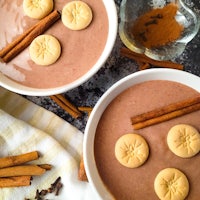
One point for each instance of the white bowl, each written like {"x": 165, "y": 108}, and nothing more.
{"x": 89, "y": 135}
{"x": 112, "y": 33}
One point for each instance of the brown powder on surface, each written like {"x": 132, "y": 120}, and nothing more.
{"x": 157, "y": 27}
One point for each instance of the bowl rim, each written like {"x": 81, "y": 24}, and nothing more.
{"x": 175, "y": 75}
{"x": 13, "y": 86}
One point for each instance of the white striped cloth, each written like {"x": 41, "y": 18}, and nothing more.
{"x": 26, "y": 127}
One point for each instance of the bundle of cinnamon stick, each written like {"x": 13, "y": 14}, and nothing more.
{"x": 15, "y": 172}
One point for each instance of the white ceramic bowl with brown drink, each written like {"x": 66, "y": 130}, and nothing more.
{"x": 111, "y": 118}
{"x": 83, "y": 52}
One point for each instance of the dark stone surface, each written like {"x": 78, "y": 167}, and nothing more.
{"x": 114, "y": 69}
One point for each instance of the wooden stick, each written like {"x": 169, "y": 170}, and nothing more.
{"x": 18, "y": 159}
{"x": 66, "y": 105}
{"x": 143, "y": 58}
{"x": 16, "y": 181}
{"x": 167, "y": 116}
{"x": 165, "y": 109}
{"x": 23, "y": 42}
{"x": 24, "y": 170}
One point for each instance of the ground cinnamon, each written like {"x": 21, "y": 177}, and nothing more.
{"x": 157, "y": 27}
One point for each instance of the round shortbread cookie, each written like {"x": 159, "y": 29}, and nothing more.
{"x": 45, "y": 50}
{"x": 183, "y": 140}
{"x": 76, "y": 15}
{"x": 131, "y": 150}
{"x": 171, "y": 184}
{"x": 37, "y": 9}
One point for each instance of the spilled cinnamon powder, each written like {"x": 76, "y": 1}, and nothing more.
{"x": 157, "y": 27}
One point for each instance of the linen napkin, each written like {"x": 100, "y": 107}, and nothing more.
{"x": 25, "y": 127}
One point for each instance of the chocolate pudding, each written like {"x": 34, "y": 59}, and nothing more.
{"x": 138, "y": 183}
{"x": 80, "y": 49}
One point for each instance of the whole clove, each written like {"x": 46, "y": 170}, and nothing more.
{"x": 55, "y": 187}
{"x": 37, "y": 196}
{"x": 59, "y": 186}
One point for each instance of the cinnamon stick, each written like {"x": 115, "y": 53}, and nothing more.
{"x": 16, "y": 181}
{"x": 66, "y": 105}
{"x": 25, "y": 39}
{"x": 18, "y": 159}
{"x": 143, "y": 66}
{"x": 143, "y": 58}
{"x": 66, "y": 102}
{"x": 86, "y": 109}
{"x": 166, "y": 117}
{"x": 45, "y": 166}
{"x": 165, "y": 109}
{"x": 81, "y": 173}
{"x": 24, "y": 170}
{"x": 166, "y": 113}
{"x": 11, "y": 45}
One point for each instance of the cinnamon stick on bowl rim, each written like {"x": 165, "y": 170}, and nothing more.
{"x": 166, "y": 113}
{"x": 20, "y": 43}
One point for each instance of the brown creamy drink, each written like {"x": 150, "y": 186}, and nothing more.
{"x": 80, "y": 49}
{"x": 138, "y": 183}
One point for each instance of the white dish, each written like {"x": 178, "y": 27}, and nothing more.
{"x": 138, "y": 77}
{"x": 112, "y": 33}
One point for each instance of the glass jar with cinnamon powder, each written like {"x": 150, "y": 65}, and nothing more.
{"x": 158, "y": 28}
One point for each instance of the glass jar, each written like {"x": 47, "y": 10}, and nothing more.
{"x": 131, "y": 10}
